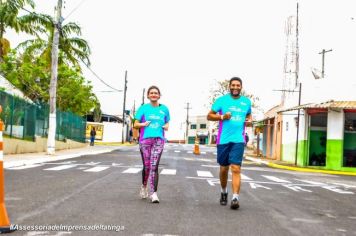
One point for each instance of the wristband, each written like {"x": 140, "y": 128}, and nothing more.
{"x": 222, "y": 117}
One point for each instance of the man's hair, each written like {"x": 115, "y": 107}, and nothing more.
{"x": 235, "y": 78}
{"x": 153, "y": 87}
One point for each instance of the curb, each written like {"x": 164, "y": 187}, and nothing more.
{"x": 300, "y": 169}
{"x": 49, "y": 158}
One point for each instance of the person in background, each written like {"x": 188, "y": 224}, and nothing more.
{"x": 246, "y": 139}
{"x": 92, "y": 136}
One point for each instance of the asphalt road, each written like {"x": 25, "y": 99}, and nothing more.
{"x": 89, "y": 192}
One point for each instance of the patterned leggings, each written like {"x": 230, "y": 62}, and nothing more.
{"x": 151, "y": 151}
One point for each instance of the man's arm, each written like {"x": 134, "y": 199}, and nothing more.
{"x": 213, "y": 116}
{"x": 248, "y": 119}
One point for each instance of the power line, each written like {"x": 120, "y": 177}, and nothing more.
{"x": 101, "y": 80}
{"x": 76, "y": 8}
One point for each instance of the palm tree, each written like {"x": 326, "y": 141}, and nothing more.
{"x": 73, "y": 49}
{"x": 9, "y": 18}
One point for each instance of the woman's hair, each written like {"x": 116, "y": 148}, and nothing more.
{"x": 153, "y": 87}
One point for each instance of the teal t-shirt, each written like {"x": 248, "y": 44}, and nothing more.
{"x": 158, "y": 116}
{"x": 232, "y": 130}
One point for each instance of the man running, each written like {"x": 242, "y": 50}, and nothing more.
{"x": 232, "y": 111}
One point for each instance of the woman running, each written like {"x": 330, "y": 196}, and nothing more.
{"x": 152, "y": 118}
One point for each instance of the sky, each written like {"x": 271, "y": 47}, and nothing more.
{"x": 184, "y": 47}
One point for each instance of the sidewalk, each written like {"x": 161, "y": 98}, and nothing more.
{"x": 290, "y": 166}
{"x": 14, "y": 160}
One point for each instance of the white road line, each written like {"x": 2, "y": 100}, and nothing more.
{"x": 202, "y": 152}
{"x": 202, "y": 173}
{"x": 296, "y": 188}
{"x": 176, "y": 151}
{"x": 244, "y": 177}
{"x": 311, "y": 182}
{"x": 168, "y": 172}
{"x": 132, "y": 170}
{"x": 213, "y": 166}
{"x": 24, "y": 167}
{"x": 275, "y": 179}
{"x": 61, "y": 167}
{"x": 332, "y": 188}
{"x": 255, "y": 186}
{"x": 190, "y": 152}
{"x": 96, "y": 169}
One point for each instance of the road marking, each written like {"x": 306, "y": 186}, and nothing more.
{"x": 213, "y": 166}
{"x": 202, "y": 173}
{"x": 64, "y": 167}
{"x": 92, "y": 163}
{"x": 244, "y": 177}
{"x": 334, "y": 189}
{"x": 190, "y": 152}
{"x": 176, "y": 151}
{"x": 114, "y": 164}
{"x": 202, "y": 152}
{"x": 345, "y": 185}
{"x": 168, "y": 172}
{"x": 132, "y": 170}
{"x": 96, "y": 169}
{"x": 275, "y": 179}
{"x": 311, "y": 182}
{"x": 212, "y": 182}
{"x": 24, "y": 167}
{"x": 254, "y": 186}
{"x": 311, "y": 221}
{"x": 297, "y": 188}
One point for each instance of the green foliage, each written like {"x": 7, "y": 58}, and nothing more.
{"x": 222, "y": 88}
{"x": 32, "y": 76}
{"x": 11, "y": 18}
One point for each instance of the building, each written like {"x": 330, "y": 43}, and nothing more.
{"x": 198, "y": 127}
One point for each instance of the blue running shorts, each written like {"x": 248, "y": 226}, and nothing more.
{"x": 230, "y": 153}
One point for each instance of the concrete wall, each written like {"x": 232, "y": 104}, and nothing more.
{"x": 16, "y": 146}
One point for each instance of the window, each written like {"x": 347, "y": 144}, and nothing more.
{"x": 193, "y": 126}
{"x": 203, "y": 126}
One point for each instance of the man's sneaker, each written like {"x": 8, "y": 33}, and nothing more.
{"x": 223, "y": 199}
{"x": 235, "y": 204}
{"x": 143, "y": 192}
{"x": 154, "y": 198}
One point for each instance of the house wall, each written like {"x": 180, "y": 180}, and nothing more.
{"x": 290, "y": 135}
{"x": 335, "y": 136}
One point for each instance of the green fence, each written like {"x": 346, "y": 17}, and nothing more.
{"x": 24, "y": 120}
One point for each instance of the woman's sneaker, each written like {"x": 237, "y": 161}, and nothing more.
{"x": 154, "y": 198}
{"x": 143, "y": 192}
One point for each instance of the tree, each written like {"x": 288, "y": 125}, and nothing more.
{"x": 9, "y": 18}
{"x": 73, "y": 48}
{"x": 222, "y": 88}
{"x": 32, "y": 76}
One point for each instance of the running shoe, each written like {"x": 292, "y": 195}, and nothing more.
{"x": 154, "y": 198}
{"x": 223, "y": 199}
{"x": 143, "y": 192}
{"x": 235, "y": 204}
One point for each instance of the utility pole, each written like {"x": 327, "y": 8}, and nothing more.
{"x": 296, "y": 145}
{"x": 323, "y": 61}
{"x": 51, "y": 139}
{"x": 143, "y": 97}
{"x": 297, "y": 48}
{"x": 123, "y": 109}
{"x": 187, "y": 122}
